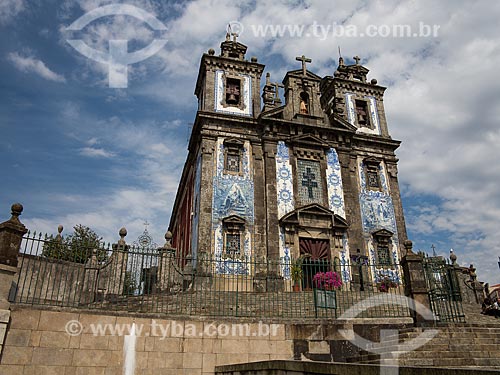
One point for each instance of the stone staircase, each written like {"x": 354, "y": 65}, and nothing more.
{"x": 473, "y": 344}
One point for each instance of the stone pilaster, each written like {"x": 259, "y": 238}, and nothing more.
{"x": 260, "y": 237}
{"x": 415, "y": 284}
{"x": 392, "y": 172}
{"x": 205, "y": 233}
{"x": 272, "y": 205}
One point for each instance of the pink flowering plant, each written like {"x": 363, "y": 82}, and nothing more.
{"x": 327, "y": 280}
{"x": 385, "y": 283}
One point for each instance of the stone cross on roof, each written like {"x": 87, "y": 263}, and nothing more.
{"x": 304, "y": 61}
{"x": 357, "y": 58}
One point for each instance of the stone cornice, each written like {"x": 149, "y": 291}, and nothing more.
{"x": 359, "y": 86}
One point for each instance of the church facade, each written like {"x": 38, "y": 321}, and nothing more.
{"x": 313, "y": 176}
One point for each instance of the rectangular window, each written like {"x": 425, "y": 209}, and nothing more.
{"x": 233, "y": 155}
{"x": 309, "y": 183}
{"x": 383, "y": 255}
{"x": 372, "y": 170}
{"x": 373, "y": 181}
{"x": 232, "y": 161}
{"x": 233, "y": 244}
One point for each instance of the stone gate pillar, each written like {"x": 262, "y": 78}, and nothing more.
{"x": 415, "y": 284}
{"x": 118, "y": 270}
{"x": 166, "y": 270}
{"x": 11, "y": 235}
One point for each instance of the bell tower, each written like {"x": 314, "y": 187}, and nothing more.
{"x": 302, "y": 95}
{"x": 228, "y": 83}
{"x": 359, "y": 102}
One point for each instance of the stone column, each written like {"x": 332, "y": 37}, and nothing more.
{"x": 415, "y": 284}
{"x": 11, "y": 235}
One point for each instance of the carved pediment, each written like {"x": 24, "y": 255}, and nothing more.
{"x": 340, "y": 222}
{"x": 234, "y": 220}
{"x": 313, "y": 215}
{"x": 298, "y": 73}
{"x": 235, "y": 142}
{"x": 382, "y": 233}
{"x": 371, "y": 161}
{"x": 308, "y": 140}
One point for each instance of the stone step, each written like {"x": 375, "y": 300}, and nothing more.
{"x": 441, "y": 348}
{"x": 474, "y": 345}
{"x": 464, "y": 355}
{"x": 450, "y": 362}
{"x": 465, "y": 341}
{"x": 445, "y": 336}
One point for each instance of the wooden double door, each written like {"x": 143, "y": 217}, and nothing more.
{"x": 316, "y": 256}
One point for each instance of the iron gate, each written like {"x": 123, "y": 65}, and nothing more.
{"x": 444, "y": 291}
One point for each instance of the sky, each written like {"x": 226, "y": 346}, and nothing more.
{"x": 76, "y": 151}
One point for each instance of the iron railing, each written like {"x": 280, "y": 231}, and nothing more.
{"x": 159, "y": 281}
{"x": 444, "y": 291}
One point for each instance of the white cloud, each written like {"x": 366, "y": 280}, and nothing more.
{"x": 93, "y": 152}
{"x": 29, "y": 64}
{"x": 9, "y": 9}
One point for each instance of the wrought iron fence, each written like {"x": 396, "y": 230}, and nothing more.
{"x": 146, "y": 280}
{"x": 444, "y": 291}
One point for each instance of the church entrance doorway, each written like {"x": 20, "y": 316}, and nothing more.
{"x": 316, "y": 254}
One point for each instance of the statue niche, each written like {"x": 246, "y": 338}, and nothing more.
{"x": 304, "y": 103}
